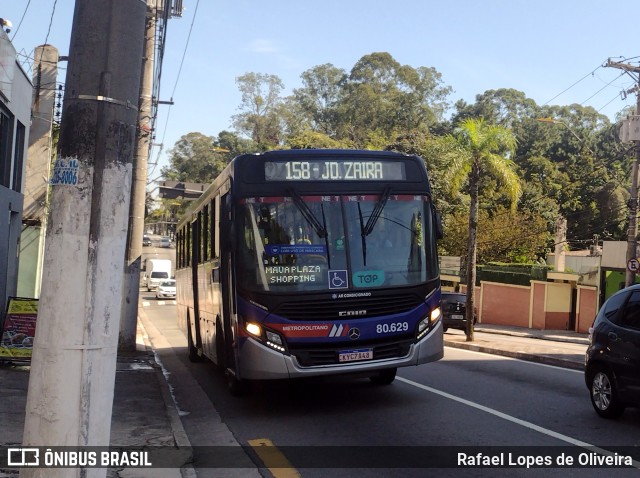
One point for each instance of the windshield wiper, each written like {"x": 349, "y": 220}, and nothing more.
{"x": 307, "y": 213}
{"x": 367, "y": 229}
{"x": 377, "y": 211}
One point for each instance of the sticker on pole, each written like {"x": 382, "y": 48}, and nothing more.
{"x": 65, "y": 172}
{"x": 633, "y": 265}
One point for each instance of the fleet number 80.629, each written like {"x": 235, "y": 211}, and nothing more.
{"x": 393, "y": 327}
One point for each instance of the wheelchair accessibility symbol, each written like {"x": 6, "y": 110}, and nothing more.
{"x": 338, "y": 280}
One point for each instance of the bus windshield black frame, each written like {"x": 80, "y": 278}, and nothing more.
{"x": 281, "y": 251}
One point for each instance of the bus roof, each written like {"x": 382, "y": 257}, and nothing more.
{"x": 242, "y": 159}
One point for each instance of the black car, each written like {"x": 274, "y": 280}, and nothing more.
{"x": 454, "y": 308}
{"x": 146, "y": 240}
{"x": 612, "y": 369}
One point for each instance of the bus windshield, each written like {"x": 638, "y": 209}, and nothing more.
{"x": 333, "y": 243}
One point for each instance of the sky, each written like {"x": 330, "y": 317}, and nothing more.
{"x": 552, "y": 50}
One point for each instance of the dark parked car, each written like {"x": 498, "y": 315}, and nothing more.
{"x": 454, "y": 308}
{"x": 612, "y": 369}
{"x": 146, "y": 240}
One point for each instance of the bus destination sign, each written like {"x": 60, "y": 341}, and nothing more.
{"x": 334, "y": 170}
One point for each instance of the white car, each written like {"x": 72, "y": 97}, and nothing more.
{"x": 165, "y": 241}
{"x": 166, "y": 289}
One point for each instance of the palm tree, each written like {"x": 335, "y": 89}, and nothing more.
{"x": 482, "y": 149}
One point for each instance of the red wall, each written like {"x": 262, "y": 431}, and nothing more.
{"x": 587, "y": 307}
{"x": 504, "y": 304}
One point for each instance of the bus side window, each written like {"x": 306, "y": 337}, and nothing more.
{"x": 216, "y": 236}
{"x": 212, "y": 229}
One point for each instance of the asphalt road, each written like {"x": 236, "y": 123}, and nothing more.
{"x": 467, "y": 399}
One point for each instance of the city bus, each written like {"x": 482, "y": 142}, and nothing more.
{"x": 302, "y": 263}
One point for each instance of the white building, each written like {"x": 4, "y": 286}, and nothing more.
{"x": 15, "y": 115}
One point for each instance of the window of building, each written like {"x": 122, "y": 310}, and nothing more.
{"x": 6, "y": 147}
{"x": 18, "y": 158}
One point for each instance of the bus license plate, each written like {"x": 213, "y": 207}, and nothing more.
{"x": 353, "y": 355}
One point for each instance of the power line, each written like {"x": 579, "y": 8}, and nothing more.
{"x": 175, "y": 86}
{"x": 21, "y": 19}
{"x": 46, "y": 40}
{"x": 567, "y": 89}
{"x": 605, "y": 86}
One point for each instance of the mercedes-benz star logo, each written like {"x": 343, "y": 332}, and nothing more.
{"x": 354, "y": 334}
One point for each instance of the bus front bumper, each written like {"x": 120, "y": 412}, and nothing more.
{"x": 258, "y": 362}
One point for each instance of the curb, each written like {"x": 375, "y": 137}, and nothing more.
{"x": 177, "y": 429}
{"x": 570, "y": 364}
{"x": 527, "y": 335}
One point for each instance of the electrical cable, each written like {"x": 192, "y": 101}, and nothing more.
{"x": 46, "y": 40}
{"x": 567, "y": 89}
{"x": 605, "y": 86}
{"x": 175, "y": 86}
{"x": 21, "y": 19}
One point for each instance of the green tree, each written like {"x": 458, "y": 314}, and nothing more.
{"x": 260, "y": 117}
{"x": 234, "y": 144}
{"x": 483, "y": 149}
{"x": 195, "y": 158}
{"x": 320, "y": 97}
{"x": 501, "y": 237}
{"x": 383, "y": 99}
{"x": 308, "y": 139}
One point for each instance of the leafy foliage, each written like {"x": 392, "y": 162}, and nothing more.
{"x": 483, "y": 150}
{"x": 194, "y": 159}
{"x": 571, "y": 165}
{"x": 502, "y": 236}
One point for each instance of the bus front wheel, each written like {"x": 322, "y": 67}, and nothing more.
{"x": 236, "y": 387}
{"x": 384, "y": 377}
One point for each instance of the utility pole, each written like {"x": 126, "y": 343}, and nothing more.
{"x": 70, "y": 395}
{"x": 561, "y": 242}
{"x": 144, "y": 136}
{"x": 630, "y": 276}
{"x": 34, "y": 215}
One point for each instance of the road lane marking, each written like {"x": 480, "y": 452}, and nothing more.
{"x": 517, "y": 421}
{"x": 504, "y": 357}
{"x": 273, "y": 458}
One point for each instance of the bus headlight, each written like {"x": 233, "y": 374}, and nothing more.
{"x": 435, "y": 315}
{"x": 425, "y": 323}
{"x": 253, "y": 329}
{"x": 274, "y": 341}
{"x": 269, "y": 338}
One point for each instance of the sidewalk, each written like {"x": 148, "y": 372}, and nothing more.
{"x": 552, "y": 347}
{"x": 144, "y": 412}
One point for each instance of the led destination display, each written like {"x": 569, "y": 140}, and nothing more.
{"x": 334, "y": 170}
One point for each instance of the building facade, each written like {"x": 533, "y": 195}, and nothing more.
{"x": 15, "y": 116}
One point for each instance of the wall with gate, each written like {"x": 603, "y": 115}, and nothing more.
{"x": 542, "y": 305}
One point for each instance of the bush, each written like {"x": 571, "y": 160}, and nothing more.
{"x": 517, "y": 274}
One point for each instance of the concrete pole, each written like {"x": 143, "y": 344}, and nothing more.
{"x": 133, "y": 262}
{"x": 70, "y": 395}
{"x": 561, "y": 241}
{"x": 34, "y": 215}
{"x": 632, "y": 235}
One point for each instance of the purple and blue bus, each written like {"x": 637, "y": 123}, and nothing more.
{"x": 301, "y": 263}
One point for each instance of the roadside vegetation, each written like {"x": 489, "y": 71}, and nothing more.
{"x": 503, "y": 169}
